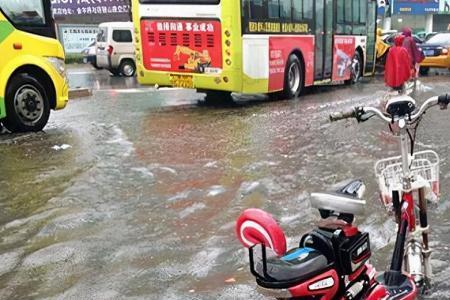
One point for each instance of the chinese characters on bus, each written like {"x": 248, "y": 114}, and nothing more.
{"x": 89, "y": 7}
{"x": 185, "y": 26}
{"x": 276, "y": 27}
{"x": 276, "y": 62}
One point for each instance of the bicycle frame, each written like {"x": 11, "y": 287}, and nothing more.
{"x": 417, "y": 253}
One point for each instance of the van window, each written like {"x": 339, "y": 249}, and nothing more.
{"x": 122, "y": 36}
{"x": 102, "y": 34}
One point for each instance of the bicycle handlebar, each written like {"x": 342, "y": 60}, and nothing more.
{"x": 342, "y": 115}
{"x": 359, "y": 111}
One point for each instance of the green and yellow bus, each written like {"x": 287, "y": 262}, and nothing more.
{"x": 32, "y": 69}
{"x": 254, "y": 46}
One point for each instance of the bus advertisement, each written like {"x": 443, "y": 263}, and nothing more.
{"x": 32, "y": 69}
{"x": 276, "y": 47}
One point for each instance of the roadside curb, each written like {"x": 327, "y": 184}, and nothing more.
{"x": 79, "y": 93}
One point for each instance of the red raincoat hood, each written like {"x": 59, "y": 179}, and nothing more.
{"x": 407, "y": 31}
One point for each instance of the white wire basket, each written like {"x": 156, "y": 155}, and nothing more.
{"x": 424, "y": 167}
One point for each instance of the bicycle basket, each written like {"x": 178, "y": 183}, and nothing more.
{"x": 389, "y": 173}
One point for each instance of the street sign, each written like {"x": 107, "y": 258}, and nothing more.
{"x": 414, "y": 7}
{"x": 77, "y": 37}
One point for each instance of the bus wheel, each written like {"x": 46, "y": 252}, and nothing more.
{"x": 127, "y": 68}
{"x": 27, "y": 105}
{"x": 293, "y": 78}
{"x": 355, "y": 69}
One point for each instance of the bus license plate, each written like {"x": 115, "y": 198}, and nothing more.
{"x": 182, "y": 81}
{"x": 428, "y": 52}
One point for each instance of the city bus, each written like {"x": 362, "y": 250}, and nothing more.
{"x": 32, "y": 69}
{"x": 276, "y": 47}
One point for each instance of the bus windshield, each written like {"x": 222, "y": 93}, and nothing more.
{"x": 21, "y": 12}
{"x": 33, "y": 16}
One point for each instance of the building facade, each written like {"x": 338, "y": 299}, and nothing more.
{"x": 420, "y": 15}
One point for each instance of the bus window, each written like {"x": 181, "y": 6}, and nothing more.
{"x": 348, "y": 12}
{"x": 285, "y": 10}
{"x": 274, "y": 9}
{"x": 363, "y": 11}
{"x": 356, "y": 12}
{"x": 257, "y": 10}
{"x": 308, "y": 9}
{"x": 297, "y": 10}
{"x": 21, "y": 12}
{"x": 340, "y": 17}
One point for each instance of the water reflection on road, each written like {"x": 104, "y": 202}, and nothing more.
{"x": 143, "y": 203}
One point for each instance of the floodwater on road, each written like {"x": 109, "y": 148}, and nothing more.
{"x": 127, "y": 196}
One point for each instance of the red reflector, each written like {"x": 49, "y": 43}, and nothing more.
{"x": 17, "y": 46}
{"x": 110, "y": 50}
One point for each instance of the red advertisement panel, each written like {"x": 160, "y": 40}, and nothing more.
{"x": 344, "y": 49}
{"x": 279, "y": 50}
{"x": 182, "y": 45}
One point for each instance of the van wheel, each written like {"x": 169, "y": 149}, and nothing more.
{"x": 355, "y": 69}
{"x": 114, "y": 72}
{"x": 127, "y": 68}
{"x": 293, "y": 79}
{"x": 27, "y": 104}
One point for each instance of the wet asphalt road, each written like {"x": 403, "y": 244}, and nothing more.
{"x": 133, "y": 193}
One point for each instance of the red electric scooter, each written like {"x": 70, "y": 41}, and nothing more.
{"x": 332, "y": 261}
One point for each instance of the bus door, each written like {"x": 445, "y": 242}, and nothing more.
{"x": 323, "y": 39}
{"x": 371, "y": 37}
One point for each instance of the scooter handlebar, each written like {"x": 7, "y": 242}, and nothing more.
{"x": 444, "y": 100}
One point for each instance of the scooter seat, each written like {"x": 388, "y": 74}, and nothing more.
{"x": 338, "y": 202}
{"x": 298, "y": 264}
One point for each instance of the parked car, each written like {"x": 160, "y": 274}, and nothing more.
{"x": 425, "y": 36}
{"x": 89, "y": 55}
{"x": 387, "y": 33}
{"x": 437, "y": 52}
{"x": 115, "y": 48}
{"x": 390, "y": 39}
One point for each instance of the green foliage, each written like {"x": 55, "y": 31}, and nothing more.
{"x": 74, "y": 58}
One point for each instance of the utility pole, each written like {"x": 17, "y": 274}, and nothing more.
{"x": 388, "y": 11}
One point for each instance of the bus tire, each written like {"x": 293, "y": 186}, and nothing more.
{"x": 293, "y": 79}
{"x": 27, "y": 104}
{"x": 127, "y": 68}
{"x": 355, "y": 69}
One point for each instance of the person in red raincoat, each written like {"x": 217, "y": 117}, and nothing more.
{"x": 415, "y": 55}
{"x": 397, "y": 69}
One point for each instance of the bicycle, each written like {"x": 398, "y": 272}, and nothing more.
{"x": 332, "y": 261}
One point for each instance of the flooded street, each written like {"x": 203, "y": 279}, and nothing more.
{"x": 133, "y": 193}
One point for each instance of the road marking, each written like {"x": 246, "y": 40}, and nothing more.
{"x": 79, "y": 72}
{"x": 137, "y": 90}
